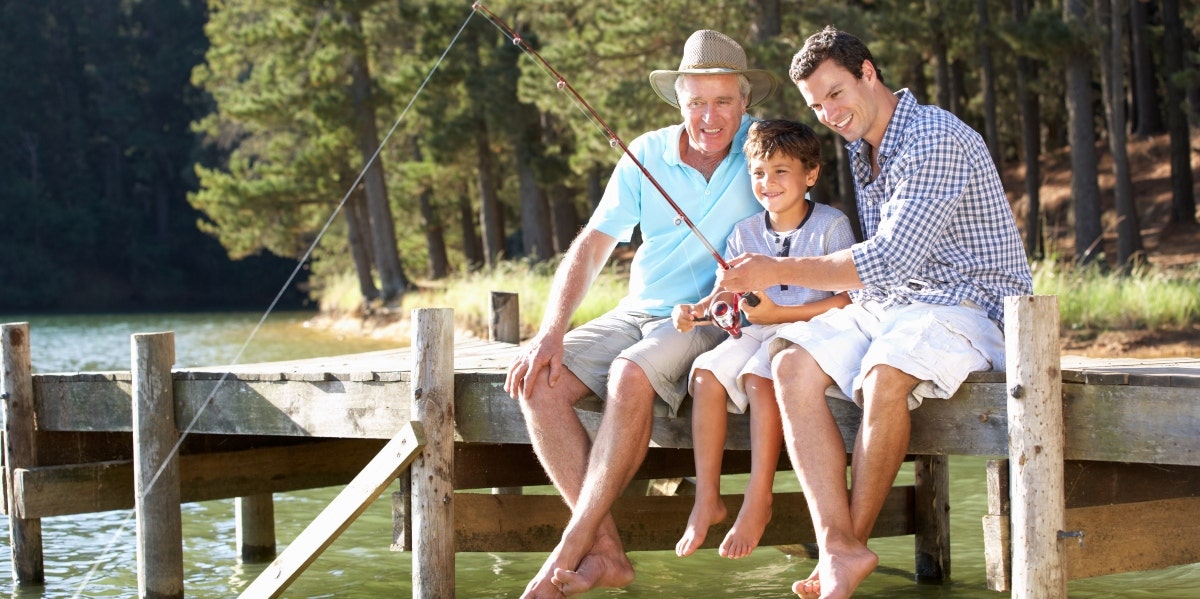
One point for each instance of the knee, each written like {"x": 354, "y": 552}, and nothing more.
{"x": 884, "y": 384}
{"x": 793, "y": 363}
{"x": 628, "y": 382}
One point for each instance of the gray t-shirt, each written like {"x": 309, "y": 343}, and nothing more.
{"x": 825, "y": 230}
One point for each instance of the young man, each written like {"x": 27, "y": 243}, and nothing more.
{"x": 928, "y": 284}
{"x": 632, "y": 354}
{"x": 784, "y": 160}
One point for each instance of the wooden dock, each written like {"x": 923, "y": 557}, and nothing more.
{"x": 1104, "y": 476}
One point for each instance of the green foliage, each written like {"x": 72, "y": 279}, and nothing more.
{"x": 1148, "y": 298}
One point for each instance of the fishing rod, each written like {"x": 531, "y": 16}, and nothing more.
{"x": 615, "y": 141}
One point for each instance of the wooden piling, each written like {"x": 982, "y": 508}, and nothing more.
{"x": 256, "y": 528}
{"x": 156, "y": 468}
{"x": 931, "y": 484}
{"x": 20, "y": 450}
{"x": 1035, "y": 440}
{"x": 504, "y": 325}
{"x": 432, "y": 473}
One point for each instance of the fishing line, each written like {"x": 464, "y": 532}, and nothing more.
{"x": 288, "y": 283}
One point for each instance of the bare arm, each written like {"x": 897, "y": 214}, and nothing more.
{"x": 578, "y": 269}
{"x": 831, "y": 272}
{"x": 768, "y": 312}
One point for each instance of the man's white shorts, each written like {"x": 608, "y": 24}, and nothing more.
{"x": 940, "y": 345}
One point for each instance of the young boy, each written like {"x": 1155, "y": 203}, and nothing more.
{"x": 784, "y": 160}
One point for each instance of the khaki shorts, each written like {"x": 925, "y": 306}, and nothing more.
{"x": 651, "y": 342}
{"x": 940, "y": 345}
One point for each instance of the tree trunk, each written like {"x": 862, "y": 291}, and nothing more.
{"x": 472, "y": 246}
{"x": 937, "y": 38}
{"x": 988, "y": 81}
{"x": 563, "y": 217}
{"x": 767, "y": 21}
{"x": 1031, "y": 143}
{"x": 535, "y": 213}
{"x": 489, "y": 210}
{"x": 1112, "y": 77}
{"x": 1183, "y": 199}
{"x": 1147, "y": 115}
{"x": 1085, "y": 189}
{"x": 358, "y": 247}
{"x": 392, "y": 279}
{"x": 435, "y": 236}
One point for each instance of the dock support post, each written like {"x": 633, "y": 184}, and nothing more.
{"x": 256, "y": 528}
{"x": 20, "y": 450}
{"x": 156, "y": 468}
{"x": 504, "y": 325}
{"x": 432, "y": 473}
{"x": 1035, "y": 446}
{"x": 932, "y": 516}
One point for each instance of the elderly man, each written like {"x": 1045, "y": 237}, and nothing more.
{"x": 633, "y": 353}
{"x": 928, "y": 284}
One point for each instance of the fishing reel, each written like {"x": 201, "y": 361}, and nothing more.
{"x": 727, "y": 313}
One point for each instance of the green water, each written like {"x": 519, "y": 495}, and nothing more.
{"x": 93, "y": 555}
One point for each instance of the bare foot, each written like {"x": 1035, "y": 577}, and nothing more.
{"x": 748, "y": 529}
{"x": 704, "y": 514}
{"x": 809, "y": 588}
{"x": 543, "y": 586}
{"x": 839, "y": 572}
{"x": 595, "y": 571}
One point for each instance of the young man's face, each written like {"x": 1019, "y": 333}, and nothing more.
{"x": 712, "y": 108}
{"x": 842, "y": 102}
{"x": 780, "y": 182}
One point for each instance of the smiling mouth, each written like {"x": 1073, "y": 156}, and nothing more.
{"x": 842, "y": 124}
{"x": 710, "y": 131}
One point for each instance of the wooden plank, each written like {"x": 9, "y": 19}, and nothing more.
{"x": 1127, "y": 537}
{"x": 20, "y": 449}
{"x": 338, "y": 515}
{"x": 1088, "y": 483}
{"x": 102, "y": 486}
{"x": 1154, "y": 425}
{"x": 1036, "y": 440}
{"x": 156, "y": 468}
{"x": 489, "y": 523}
{"x": 432, "y": 474}
{"x": 932, "y": 517}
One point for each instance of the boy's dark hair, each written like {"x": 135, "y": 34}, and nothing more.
{"x": 780, "y": 136}
{"x": 847, "y": 51}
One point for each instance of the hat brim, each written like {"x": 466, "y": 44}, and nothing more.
{"x": 762, "y": 83}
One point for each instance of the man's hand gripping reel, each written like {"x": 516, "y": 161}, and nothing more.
{"x": 727, "y": 314}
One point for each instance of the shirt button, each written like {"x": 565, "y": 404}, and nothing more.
{"x": 707, "y": 192}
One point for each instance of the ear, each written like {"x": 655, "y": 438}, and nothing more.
{"x": 813, "y": 174}
{"x": 868, "y": 71}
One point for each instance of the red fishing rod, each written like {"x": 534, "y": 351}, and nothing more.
{"x": 727, "y": 315}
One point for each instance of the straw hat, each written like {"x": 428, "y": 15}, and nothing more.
{"x": 709, "y": 52}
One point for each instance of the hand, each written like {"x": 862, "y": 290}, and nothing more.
{"x": 748, "y": 272}
{"x": 685, "y": 316}
{"x": 763, "y": 312}
{"x": 545, "y": 351}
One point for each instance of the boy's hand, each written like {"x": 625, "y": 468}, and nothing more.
{"x": 762, "y": 312}
{"x": 687, "y": 316}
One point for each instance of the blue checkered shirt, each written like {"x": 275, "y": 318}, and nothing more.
{"x": 937, "y": 224}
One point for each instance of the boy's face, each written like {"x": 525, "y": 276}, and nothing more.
{"x": 780, "y": 182}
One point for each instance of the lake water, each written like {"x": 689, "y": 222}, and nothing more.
{"x": 93, "y": 555}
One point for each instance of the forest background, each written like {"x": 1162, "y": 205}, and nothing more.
{"x": 181, "y": 154}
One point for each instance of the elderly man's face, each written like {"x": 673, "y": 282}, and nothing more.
{"x": 712, "y": 108}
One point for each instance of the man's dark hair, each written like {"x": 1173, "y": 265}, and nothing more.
{"x": 847, "y": 51}
{"x": 787, "y": 138}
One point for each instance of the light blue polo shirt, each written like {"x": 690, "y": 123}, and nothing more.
{"x": 672, "y": 266}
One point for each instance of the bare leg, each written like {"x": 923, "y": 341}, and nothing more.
{"x": 766, "y": 439}
{"x": 709, "y": 423}
{"x": 590, "y": 553}
{"x": 819, "y": 455}
{"x": 562, "y": 445}
{"x": 880, "y": 445}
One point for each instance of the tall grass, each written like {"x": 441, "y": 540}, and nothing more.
{"x": 468, "y": 294}
{"x": 1088, "y": 298}
{"x": 1147, "y": 298}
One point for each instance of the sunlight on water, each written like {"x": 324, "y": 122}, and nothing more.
{"x": 359, "y": 564}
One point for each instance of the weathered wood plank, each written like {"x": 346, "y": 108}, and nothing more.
{"x": 17, "y": 400}
{"x": 646, "y": 523}
{"x": 156, "y": 468}
{"x": 102, "y": 486}
{"x": 1036, "y": 444}
{"x": 339, "y": 514}
{"x": 932, "y": 517}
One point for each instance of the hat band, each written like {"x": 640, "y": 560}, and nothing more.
{"x": 712, "y": 65}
